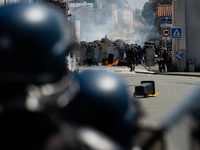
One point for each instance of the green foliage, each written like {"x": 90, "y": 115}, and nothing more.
{"x": 147, "y": 12}
{"x": 137, "y": 14}
{"x": 150, "y": 7}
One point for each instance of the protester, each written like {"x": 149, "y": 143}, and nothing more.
{"x": 165, "y": 56}
{"x": 162, "y": 60}
{"x": 169, "y": 61}
{"x": 90, "y": 51}
{"x": 140, "y": 55}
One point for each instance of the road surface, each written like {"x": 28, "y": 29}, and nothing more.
{"x": 172, "y": 90}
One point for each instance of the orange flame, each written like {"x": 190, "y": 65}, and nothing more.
{"x": 116, "y": 62}
{"x": 113, "y": 64}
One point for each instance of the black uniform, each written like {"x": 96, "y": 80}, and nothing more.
{"x": 32, "y": 60}
{"x": 131, "y": 55}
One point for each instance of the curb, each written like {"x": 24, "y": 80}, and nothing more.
{"x": 178, "y": 74}
{"x": 172, "y": 73}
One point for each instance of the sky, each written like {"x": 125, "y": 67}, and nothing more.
{"x": 137, "y": 3}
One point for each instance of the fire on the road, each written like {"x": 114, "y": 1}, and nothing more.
{"x": 113, "y": 64}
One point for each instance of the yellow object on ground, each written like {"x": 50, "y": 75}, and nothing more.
{"x": 153, "y": 95}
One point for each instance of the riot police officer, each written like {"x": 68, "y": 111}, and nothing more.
{"x": 34, "y": 41}
{"x": 101, "y": 107}
{"x": 131, "y": 55}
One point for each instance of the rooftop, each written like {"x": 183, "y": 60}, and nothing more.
{"x": 164, "y": 10}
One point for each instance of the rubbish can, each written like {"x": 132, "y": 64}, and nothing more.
{"x": 191, "y": 64}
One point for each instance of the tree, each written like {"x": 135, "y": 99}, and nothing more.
{"x": 137, "y": 14}
{"x": 150, "y": 7}
{"x": 147, "y": 12}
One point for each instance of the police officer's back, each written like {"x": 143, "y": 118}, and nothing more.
{"x": 102, "y": 108}
{"x": 33, "y": 45}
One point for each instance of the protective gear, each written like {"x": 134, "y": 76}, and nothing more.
{"x": 131, "y": 55}
{"x": 27, "y": 130}
{"x": 33, "y": 44}
{"x": 102, "y": 102}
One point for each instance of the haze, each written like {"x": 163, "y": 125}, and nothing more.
{"x": 137, "y": 3}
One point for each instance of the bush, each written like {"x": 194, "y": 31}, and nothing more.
{"x": 174, "y": 67}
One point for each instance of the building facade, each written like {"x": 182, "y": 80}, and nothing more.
{"x": 178, "y": 20}
{"x": 102, "y": 18}
{"x": 186, "y": 15}
{"x": 164, "y": 11}
{"x": 163, "y": 20}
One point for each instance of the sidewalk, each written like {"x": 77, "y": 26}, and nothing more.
{"x": 156, "y": 71}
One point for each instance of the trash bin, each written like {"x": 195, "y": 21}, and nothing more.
{"x": 191, "y": 64}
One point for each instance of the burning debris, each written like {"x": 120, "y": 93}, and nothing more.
{"x": 112, "y": 64}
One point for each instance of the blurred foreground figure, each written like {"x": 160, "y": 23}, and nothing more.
{"x": 33, "y": 45}
{"x": 101, "y": 113}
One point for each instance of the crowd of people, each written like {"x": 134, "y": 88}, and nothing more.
{"x": 134, "y": 54}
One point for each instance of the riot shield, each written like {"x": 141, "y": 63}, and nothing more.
{"x": 150, "y": 57}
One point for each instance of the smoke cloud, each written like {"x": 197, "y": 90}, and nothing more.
{"x": 97, "y": 32}
{"x": 93, "y": 28}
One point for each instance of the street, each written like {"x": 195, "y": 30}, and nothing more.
{"x": 172, "y": 89}
{"x": 47, "y": 104}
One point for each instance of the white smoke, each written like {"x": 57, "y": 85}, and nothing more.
{"x": 97, "y": 32}
{"x": 92, "y": 29}
{"x": 143, "y": 31}
{"x": 106, "y": 25}
{"x": 142, "y": 35}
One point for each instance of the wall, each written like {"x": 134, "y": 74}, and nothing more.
{"x": 178, "y": 20}
{"x": 193, "y": 30}
{"x": 126, "y": 23}
{"x": 72, "y": 5}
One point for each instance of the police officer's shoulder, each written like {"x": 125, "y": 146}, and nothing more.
{"x": 36, "y": 36}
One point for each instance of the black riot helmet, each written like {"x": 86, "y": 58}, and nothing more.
{"x": 33, "y": 44}
{"x": 102, "y": 101}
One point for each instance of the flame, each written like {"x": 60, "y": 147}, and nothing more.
{"x": 116, "y": 62}
{"x": 113, "y": 64}
{"x": 106, "y": 62}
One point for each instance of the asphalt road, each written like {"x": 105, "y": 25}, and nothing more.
{"x": 172, "y": 90}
